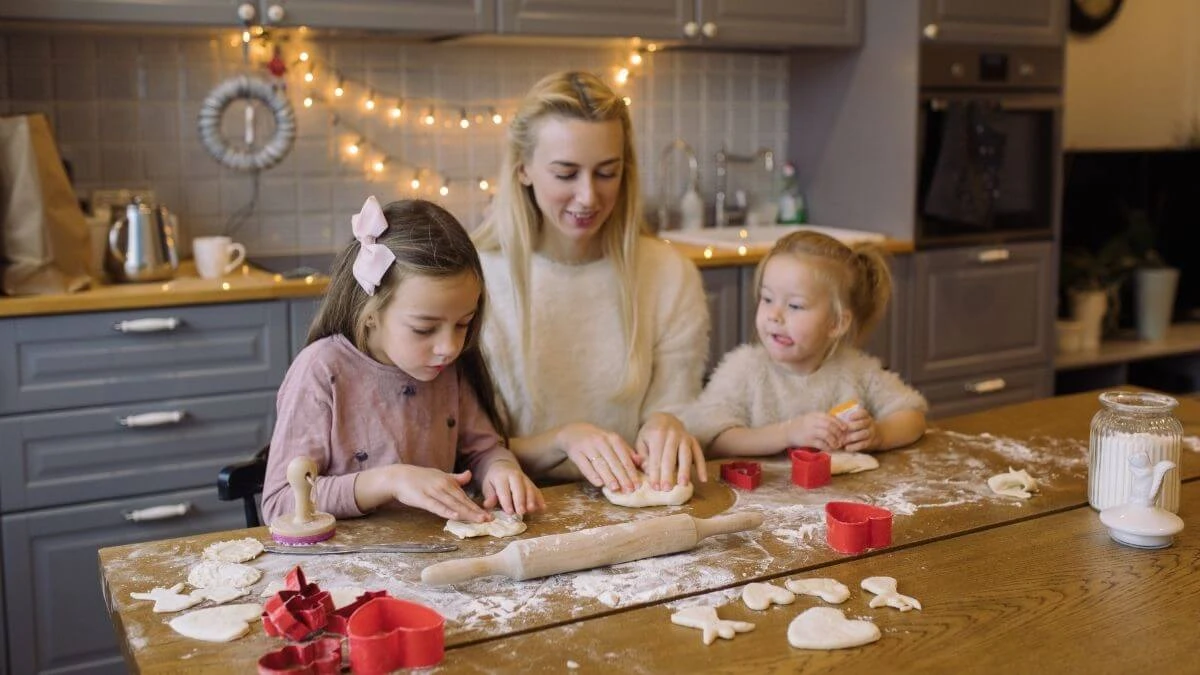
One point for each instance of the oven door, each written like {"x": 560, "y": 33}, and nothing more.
{"x": 988, "y": 166}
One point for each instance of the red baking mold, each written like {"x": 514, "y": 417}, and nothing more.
{"x": 319, "y": 657}
{"x": 852, "y": 528}
{"x": 387, "y": 634}
{"x": 341, "y": 616}
{"x": 810, "y": 467}
{"x": 744, "y": 475}
{"x": 299, "y": 610}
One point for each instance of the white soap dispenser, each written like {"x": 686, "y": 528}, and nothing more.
{"x": 691, "y": 209}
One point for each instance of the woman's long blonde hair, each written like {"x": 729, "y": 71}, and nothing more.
{"x": 515, "y": 221}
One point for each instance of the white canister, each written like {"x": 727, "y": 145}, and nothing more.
{"x": 1127, "y": 423}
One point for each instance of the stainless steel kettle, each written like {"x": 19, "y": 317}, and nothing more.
{"x": 143, "y": 244}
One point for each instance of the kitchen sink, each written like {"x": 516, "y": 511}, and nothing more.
{"x": 762, "y": 235}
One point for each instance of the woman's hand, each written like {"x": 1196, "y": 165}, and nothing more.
{"x": 668, "y": 452}
{"x": 815, "y": 430}
{"x": 435, "y": 491}
{"x": 603, "y": 457}
{"x": 506, "y": 485}
{"x": 862, "y": 433}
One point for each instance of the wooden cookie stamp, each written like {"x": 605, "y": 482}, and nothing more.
{"x": 305, "y": 525}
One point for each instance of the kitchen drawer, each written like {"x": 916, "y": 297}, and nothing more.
{"x": 959, "y": 396}
{"x": 56, "y": 610}
{"x": 78, "y": 360}
{"x": 75, "y": 456}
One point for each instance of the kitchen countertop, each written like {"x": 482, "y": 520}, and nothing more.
{"x": 250, "y": 283}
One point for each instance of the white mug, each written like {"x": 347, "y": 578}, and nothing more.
{"x": 217, "y": 256}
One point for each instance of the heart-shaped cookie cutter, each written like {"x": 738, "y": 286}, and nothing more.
{"x": 388, "y": 634}
{"x": 340, "y": 619}
{"x": 319, "y": 657}
{"x": 743, "y": 475}
{"x": 811, "y": 468}
{"x": 851, "y": 527}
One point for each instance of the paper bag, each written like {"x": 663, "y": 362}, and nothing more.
{"x": 46, "y": 242}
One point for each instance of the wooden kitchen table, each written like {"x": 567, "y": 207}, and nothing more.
{"x": 936, "y": 489}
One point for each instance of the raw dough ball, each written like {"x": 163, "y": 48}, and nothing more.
{"x": 712, "y": 627}
{"x": 1013, "y": 484}
{"x": 851, "y": 462}
{"x": 761, "y": 596}
{"x": 828, "y": 628}
{"x": 169, "y": 599}
{"x": 501, "y": 525}
{"x": 645, "y": 495}
{"x": 216, "y": 574}
{"x": 829, "y": 590}
{"x": 234, "y": 550}
{"x": 217, "y": 624}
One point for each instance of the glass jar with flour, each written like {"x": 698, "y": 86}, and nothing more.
{"x": 1129, "y": 422}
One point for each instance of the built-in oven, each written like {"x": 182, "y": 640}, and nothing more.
{"x": 989, "y": 145}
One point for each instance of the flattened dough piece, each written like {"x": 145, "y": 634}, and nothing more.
{"x": 884, "y": 589}
{"x": 829, "y": 590}
{"x": 828, "y": 628}
{"x": 501, "y": 525}
{"x": 234, "y": 550}
{"x": 712, "y": 627}
{"x": 645, "y": 495}
{"x": 761, "y": 596}
{"x": 217, "y": 624}
{"x": 1013, "y": 484}
{"x": 168, "y": 599}
{"x": 851, "y": 462}
{"x": 217, "y": 574}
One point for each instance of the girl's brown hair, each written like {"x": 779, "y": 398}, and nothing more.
{"x": 858, "y": 277}
{"x": 427, "y": 241}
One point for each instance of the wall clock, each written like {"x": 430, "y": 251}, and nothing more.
{"x": 1089, "y": 16}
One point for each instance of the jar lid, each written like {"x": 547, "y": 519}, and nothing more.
{"x": 1138, "y": 401}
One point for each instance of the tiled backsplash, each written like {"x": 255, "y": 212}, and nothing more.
{"x": 124, "y": 107}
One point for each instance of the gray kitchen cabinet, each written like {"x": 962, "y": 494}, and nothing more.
{"x": 300, "y": 315}
{"x": 968, "y": 394}
{"x": 422, "y": 16}
{"x": 1012, "y": 22}
{"x": 757, "y": 23}
{"x": 723, "y": 292}
{"x": 58, "y": 620}
{"x": 198, "y": 12}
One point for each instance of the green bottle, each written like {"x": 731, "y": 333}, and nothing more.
{"x": 791, "y": 201}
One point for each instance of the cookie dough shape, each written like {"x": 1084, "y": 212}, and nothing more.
{"x": 851, "y": 462}
{"x": 217, "y": 624}
{"x": 234, "y": 550}
{"x": 828, "y": 628}
{"x": 761, "y": 596}
{"x": 501, "y": 525}
{"x": 169, "y": 599}
{"x": 829, "y": 590}
{"x": 884, "y": 589}
{"x": 645, "y": 495}
{"x": 217, "y": 574}
{"x": 1013, "y": 484}
{"x": 712, "y": 626}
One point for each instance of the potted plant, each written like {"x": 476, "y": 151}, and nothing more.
{"x": 1091, "y": 280}
{"x": 1155, "y": 282}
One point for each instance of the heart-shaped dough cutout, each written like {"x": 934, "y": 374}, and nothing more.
{"x": 829, "y": 590}
{"x": 828, "y": 628}
{"x": 217, "y": 624}
{"x": 761, "y": 596}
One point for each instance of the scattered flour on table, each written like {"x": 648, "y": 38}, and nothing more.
{"x": 1192, "y": 443}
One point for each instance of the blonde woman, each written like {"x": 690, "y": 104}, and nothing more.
{"x": 598, "y": 330}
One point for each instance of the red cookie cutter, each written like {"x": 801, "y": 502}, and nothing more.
{"x": 388, "y": 634}
{"x": 319, "y": 657}
{"x": 810, "y": 468}
{"x": 340, "y": 619}
{"x": 744, "y": 475}
{"x": 852, "y": 528}
{"x": 299, "y": 610}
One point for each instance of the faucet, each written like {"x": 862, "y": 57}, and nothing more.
{"x": 664, "y": 208}
{"x": 722, "y": 215}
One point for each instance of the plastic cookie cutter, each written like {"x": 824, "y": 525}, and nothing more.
{"x": 743, "y": 475}
{"x": 340, "y": 620}
{"x": 388, "y": 634}
{"x": 845, "y": 409}
{"x": 810, "y": 467}
{"x": 319, "y": 657}
{"x": 851, "y": 527}
{"x": 299, "y": 610}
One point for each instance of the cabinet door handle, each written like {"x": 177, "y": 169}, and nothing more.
{"x": 163, "y": 512}
{"x": 691, "y": 29}
{"x": 153, "y": 419}
{"x": 155, "y": 325}
{"x": 993, "y": 255}
{"x": 986, "y": 386}
{"x": 709, "y": 29}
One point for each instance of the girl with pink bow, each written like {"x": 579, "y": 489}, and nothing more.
{"x": 391, "y": 397}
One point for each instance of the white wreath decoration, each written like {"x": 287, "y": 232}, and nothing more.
{"x": 243, "y": 87}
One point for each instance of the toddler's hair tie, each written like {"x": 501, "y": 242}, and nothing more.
{"x": 373, "y": 258}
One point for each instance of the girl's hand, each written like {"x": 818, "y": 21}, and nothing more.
{"x": 505, "y": 484}
{"x": 437, "y": 492}
{"x": 815, "y": 430}
{"x": 603, "y": 457}
{"x": 862, "y": 433}
{"x": 668, "y": 452}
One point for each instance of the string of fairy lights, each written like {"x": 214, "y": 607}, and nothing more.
{"x": 353, "y": 104}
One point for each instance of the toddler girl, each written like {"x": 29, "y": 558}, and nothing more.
{"x": 817, "y": 298}
{"x": 391, "y": 394}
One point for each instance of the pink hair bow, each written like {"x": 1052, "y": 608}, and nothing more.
{"x": 373, "y": 259}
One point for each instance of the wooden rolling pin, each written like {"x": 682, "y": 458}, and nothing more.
{"x": 585, "y": 549}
